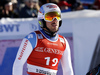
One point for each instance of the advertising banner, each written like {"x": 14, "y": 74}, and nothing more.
{"x": 17, "y": 28}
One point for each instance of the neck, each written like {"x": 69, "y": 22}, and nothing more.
{"x": 48, "y": 36}
{"x": 51, "y": 34}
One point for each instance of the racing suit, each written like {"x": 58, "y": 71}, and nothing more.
{"x": 43, "y": 54}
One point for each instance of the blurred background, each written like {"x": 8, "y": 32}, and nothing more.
{"x": 81, "y": 27}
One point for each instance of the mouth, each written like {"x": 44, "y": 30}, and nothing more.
{"x": 54, "y": 24}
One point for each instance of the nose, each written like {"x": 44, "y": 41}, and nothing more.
{"x": 55, "y": 19}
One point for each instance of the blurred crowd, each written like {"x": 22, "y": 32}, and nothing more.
{"x": 30, "y": 8}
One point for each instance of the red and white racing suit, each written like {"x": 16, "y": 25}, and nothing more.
{"x": 43, "y": 54}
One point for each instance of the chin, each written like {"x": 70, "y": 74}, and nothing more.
{"x": 55, "y": 31}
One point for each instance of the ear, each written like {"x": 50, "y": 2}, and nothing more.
{"x": 60, "y": 22}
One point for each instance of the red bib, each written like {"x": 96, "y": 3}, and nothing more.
{"x": 47, "y": 53}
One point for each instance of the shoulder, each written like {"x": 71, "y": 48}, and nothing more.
{"x": 62, "y": 38}
{"x": 31, "y": 36}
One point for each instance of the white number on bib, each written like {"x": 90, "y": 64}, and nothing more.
{"x": 55, "y": 61}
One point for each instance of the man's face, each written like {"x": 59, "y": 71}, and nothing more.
{"x": 53, "y": 26}
{"x": 9, "y": 7}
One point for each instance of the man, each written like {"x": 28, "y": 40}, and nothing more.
{"x": 30, "y": 9}
{"x": 8, "y": 11}
{"x": 64, "y": 6}
{"x": 43, "y": 49}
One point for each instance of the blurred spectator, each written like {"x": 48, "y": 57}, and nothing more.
{"x": 96, "y": 5}
{"x": 54, "y": 1}
{"x": 64, "y": 6}
{"x": 20, "y": 1}
{"x": 7, "y": 11}
{"x": 15, "y": 7}
{"x": 1, "y": 8}
{"x": 41, "y": 2}
{"x": 72, "y": 2}
{"x": 30, "y": 9}
{"x": 14, "y": 1}
{"x": 77, "y": 6}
